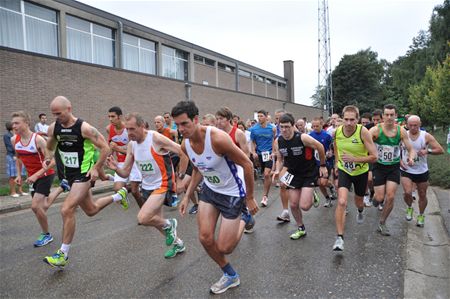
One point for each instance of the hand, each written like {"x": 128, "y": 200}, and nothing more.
{"x": 113, "y": 146}
{"x": 274, "y": 176}
{"x": 93, "y": 173}
{"x": 112, "y": 163}
{"x": 46, "y": 163}
{"x": 252, "y": 205}
{"x": 18, "y": 180}
{"x": 323, "y": 172}
{"x": 183, "y": 205}
{"x": 348, "y": 158}
{"x": 30, "y": 180}
{"x": 422, "y": 152}
{"x": 410, "y": 161}
{"x": 329, "y": 154}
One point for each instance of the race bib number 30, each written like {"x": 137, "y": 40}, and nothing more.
{"x": 70, "y": 159}
{"x": 287, "y": 178}
{"x": 146, "y": 167}
{"x": 265, "y": 156}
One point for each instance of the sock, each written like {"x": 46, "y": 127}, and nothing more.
{"x": 167, "y": 225}
{"x": 286, "y": 211}
{"x": 227, "y": 269}
{"x": 65, "y": 248}
{"x": 360, "y": 210}
{"x": 117, "y": 197}
{"x": 301, "y": 227}
{"x": 342, "y": 236}
{"x": 178, "y": 241}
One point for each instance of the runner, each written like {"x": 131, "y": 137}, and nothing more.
{"x": 424, "y": 144}
{"x": 354, "y": 149}
{"x": 118, "y": 140}
{"x": 74, "y": 141}
{"x": 227, "y": 189}
{"x": 386, "y": 170}
{"x": 150, "y": 151}
{"x": 295, "y": 155}
{"x": 263, "y": 135}
{"x": 30, "y": 148}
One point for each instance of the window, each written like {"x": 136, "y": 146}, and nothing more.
{"x": 270, "y": 81}
{"x": 281, "y": 85}
{"x": 204, "y": 60}
{"x": 139, "y": 54}
{"x": 28, "y": 27}
{"x": 258, "y": 78}
{"x": 174, "y": 63}
{"x": 244, "y": 74}
{"x": 89, "y": 42}
{"x": 225, "y": 67}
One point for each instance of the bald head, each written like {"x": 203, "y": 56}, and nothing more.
{"x": 159, "y": 118}
{"x": 61, "y": 102}
{"x": 413, "y": 119}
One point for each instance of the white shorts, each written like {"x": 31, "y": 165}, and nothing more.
{"x": 135, "y": 175}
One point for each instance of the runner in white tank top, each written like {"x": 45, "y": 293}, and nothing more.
{"x": 216, "y": 158}
{"x": 423, "y": 144}
{"x": 149, "y": 150}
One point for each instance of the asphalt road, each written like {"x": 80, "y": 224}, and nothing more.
{"x": 111, "y": 256}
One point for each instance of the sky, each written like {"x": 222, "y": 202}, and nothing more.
{"x": 264, "y": 33}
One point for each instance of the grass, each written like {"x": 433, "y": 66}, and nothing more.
{"x": 439, "y": 165}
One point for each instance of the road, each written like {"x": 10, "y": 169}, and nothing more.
{"x": 111, "y": 256}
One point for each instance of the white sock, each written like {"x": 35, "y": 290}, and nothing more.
{"x": 178, "y": 241}
{"x": 65, "y": 248}
{"x": 286, "y": 211}
{"x": 117, "y": 197}
{"x": 167, "y": 225}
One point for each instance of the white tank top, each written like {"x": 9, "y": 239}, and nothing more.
{"x": 420, "y": 163}
{"x": 220, "y": 174}
{"x": 155, "y": 168}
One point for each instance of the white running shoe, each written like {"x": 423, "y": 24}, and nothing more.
{"x": 339, "y": 244}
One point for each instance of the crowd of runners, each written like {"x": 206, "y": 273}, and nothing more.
{"x": 213, "y": 162}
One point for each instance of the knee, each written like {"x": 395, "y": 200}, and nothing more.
{"x": 293, "y": 204}
{"x": 67, "y": 211}
{"x": 224, "y": 248}
{"x": 342, "y": 202}
{"x": 144, "y": 219}
{"x": 266, "y": 176}
{"x": 34, "y": 207}
{"x": 206, "y": 239}
{"x": 305, "y": 207}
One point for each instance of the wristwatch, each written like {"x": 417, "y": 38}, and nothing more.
{"x": 181, "y": 175}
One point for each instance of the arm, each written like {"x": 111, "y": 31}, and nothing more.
{"x": 242, "y": 141}
{"x": 411, "y": 151}
{"x": 370, "y": 146}
{"x": 41, "y": 144}
{"x": 50, "y": 147}
{"x": 91, "y": 133}
{"x": 125, "y": 171}
{"x": 313, "y": 143}
{"x": 174, "y": 135}
{"x": 434, "y": 148}
{"x": 279, "y": 160}
{"x": 162, "y": 143}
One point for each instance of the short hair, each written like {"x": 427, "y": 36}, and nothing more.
{"x": 262, "y": 111}
{"x": 210, "y": 116}
{"x": 187, "y": 107}
{"x": 25, "y": 116}
{"x": 366, "y": 115}
{"x": 8, "y": 126}
{"x": 390, "y": 106}
{"x": 115, "y": 110}
{"x": 287, "y": 118}
{"x": 225, "y": 112}
{"x": 280, "y": 110}
{"x": 351, "y": 108}
{"x": 242, "y": 124}
{"x": 166, "y": 113}
{"x": 41, "y": 115}
{"x": 378, "y": 112}
{"x": 317, "y": 119}
{"x": 139, "y": 119}
{"x": 235, "y": 115}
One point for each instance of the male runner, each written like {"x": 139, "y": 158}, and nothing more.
{"x": 263, "y": 135}
{"x": 386, "y": 170}
{"x": 354, "y": 149}
{"x": 168, "y": 121}
{"x": 424, "y": 144}
{"x": 224, "y": 168}
{"x": 75, "y": 141}
{"x": 118, "y": 140}
{"x": 149, "y": 150}
{"x": 30, "y": 148}
{"x": 295, "y": 153}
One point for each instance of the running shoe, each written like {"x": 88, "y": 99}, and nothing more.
{"x": 360, "y": 217}
{"x": 264, "y": 201}
{"x": 367, "y": 202}
{"x": 58, "y": 259}
{"x": 328, "y": 203}
{"x": 381, "y": 206}
{"x": 249, "y": 222}
{"x": 24, "y": 193}
{"x": 43, "y": 240}
{"x": 171, "y": 232}
{"x": 284, "y": 216}
{"x": 64, "y": 184}
{"x": 333, "y": 192}
{"x": 383, "y": 230}
{"x": 414, "y": 194}
{"x": 421, "y": 221}
{"x": 123, "y": 192}
{"x": 299, "y": 233}
{"x": 172, "y": 252}
{"x": 375, "y": 203}
{"x": 409, "y": 213}
{"x": 316, "y": 200}
{"x": 194, "y": 209}
{"x": 225, "y": 282}
{"x": 338, "y": 244}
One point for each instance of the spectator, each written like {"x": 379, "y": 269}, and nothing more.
{"x": 41, "y": 127}
{"x": 11, "y": 169}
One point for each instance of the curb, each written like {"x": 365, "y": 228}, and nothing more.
{"x": 25, "y": 202}
{"x": 427, "y": 272}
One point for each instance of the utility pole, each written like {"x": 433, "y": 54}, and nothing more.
{"x": 324, "y": 62}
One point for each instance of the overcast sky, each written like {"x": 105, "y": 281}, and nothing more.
{"x": 265, "y": 33}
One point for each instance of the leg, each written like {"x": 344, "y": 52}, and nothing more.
{"x": 12, "y": 186}
{"x": 294, "y": 201}
{"x": 340, "y": 210}
{"x": 230, "y": 233}
{"x": 150, "y": 213}
{"x": 267, "y": 181}
{"x": 306, "y": 198}
{"x": 53, "y": 196}
{"x": 391, "y": 188}
{"x": 136, "y": 194}
{"x": 207, "y": 221}
{"x": 407, "y": 190}
{"x": 423, "y": 201}
{"x": 38, "y": 206}
{"x": 379, "y": 193}
{"x": 284, "y": 196}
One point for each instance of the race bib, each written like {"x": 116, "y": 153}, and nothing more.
{"x": 349, "y": 166}
{"x": 213, "y": 178}
{"x": 146, "y": 167}
{"x": 265, "y": 156}
{"x": 388, "y": 153}
{"x": 70, "y": 159}
{"x": 287, "y": 178}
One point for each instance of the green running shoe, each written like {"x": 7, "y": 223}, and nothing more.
{"x": 123, "y": 192}
{"x": 171, "y": 232}
{"x": 316, "y": 201}
{"x": 58, "y": 259}
{"x": 421, "y": 220}
{"x": 383, "y": 230}
{"x": 409, "y": 213}
{"x": 298, "y": 234}
{"x": 172, "y": 252}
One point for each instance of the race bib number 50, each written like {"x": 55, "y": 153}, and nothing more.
{"x": 70, "y": 159}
